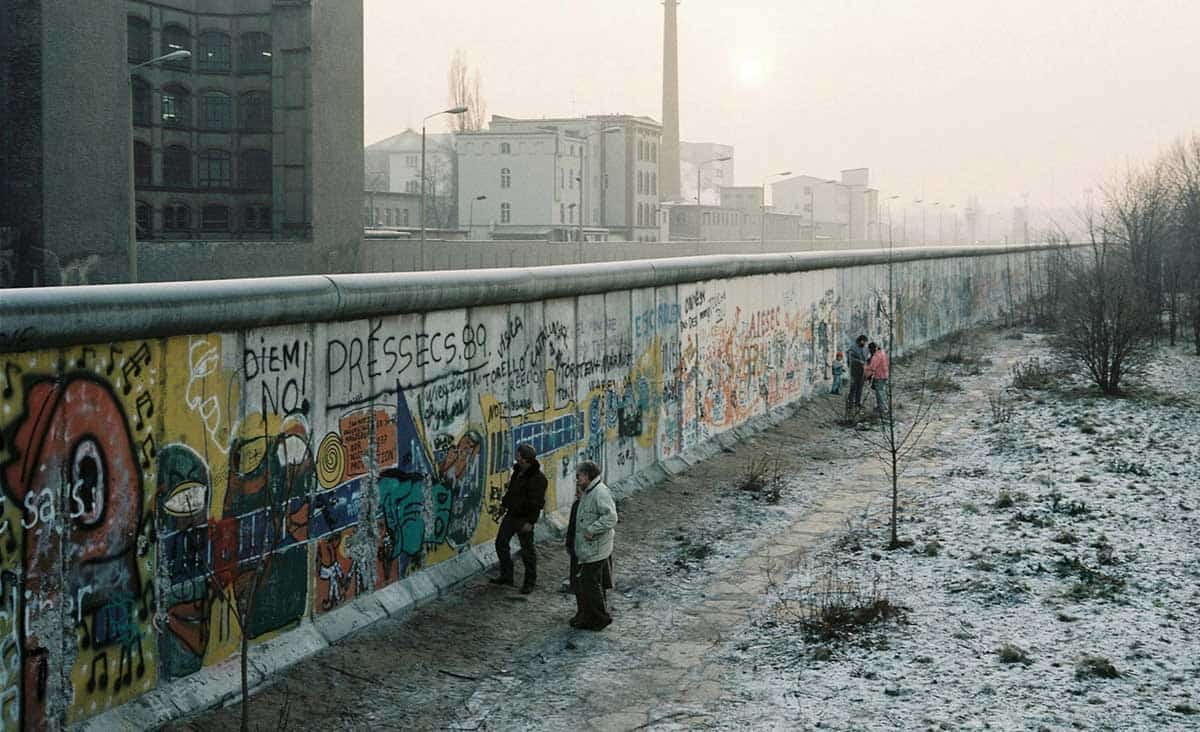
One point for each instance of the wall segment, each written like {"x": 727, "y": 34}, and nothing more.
{"x": 349, "y": 434}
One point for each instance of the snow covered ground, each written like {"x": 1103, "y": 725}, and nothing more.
{"x": 1067, "y": 535}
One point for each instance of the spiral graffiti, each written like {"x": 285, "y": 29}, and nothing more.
{"x": 331, "y": 460}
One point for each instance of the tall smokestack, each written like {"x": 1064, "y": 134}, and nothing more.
{"x": 668, "y": 159}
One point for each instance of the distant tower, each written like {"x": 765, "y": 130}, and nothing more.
{"x": 668, "y": 159}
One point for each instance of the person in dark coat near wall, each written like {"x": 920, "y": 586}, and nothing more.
{"x": 523, "y": 503}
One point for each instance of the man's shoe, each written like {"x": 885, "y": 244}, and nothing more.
{"x": 501, "y": 580}
{"x": 526, "y": 588}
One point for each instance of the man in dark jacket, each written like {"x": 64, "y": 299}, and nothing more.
{"x": 858, "y": 357}
{"x": 523, "y": 503}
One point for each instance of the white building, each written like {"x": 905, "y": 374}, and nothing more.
{"x": 522, "y": 184}
{"x": 393, "y": 165}
{"x": 613, "y": 157}
{"x": 846, "y": 210}
{"x": 700, "y": 162}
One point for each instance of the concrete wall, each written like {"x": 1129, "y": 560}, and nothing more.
{"x": 351, "y": 437}
{"x": 380, "y": 254}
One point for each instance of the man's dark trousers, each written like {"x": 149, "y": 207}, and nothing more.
{"x": 509, "y": 526}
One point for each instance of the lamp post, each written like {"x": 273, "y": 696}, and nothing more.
{"x": 762, "y": 237}
{"x": 889, "y": 211}
{"x": 471, "y": 219}
{"x": 177, "y": 55}
{"x": 421, "y": 206}
{"x": 701, "y": 166}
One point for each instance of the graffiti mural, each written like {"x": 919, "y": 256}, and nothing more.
{"x": 162, "y": 500}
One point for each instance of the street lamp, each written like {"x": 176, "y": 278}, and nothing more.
{"x": 421, "y": 207}
{"x": 471, "y": 220}
{"x": 176, "y": 55}
{"x": 762, "y": 237}
{"x": 583, "y": 172}
{"x": 700, "y": 166}
{"x": 889, "y": 210}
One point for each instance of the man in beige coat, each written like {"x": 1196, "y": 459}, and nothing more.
{"x": 595, "y": 522}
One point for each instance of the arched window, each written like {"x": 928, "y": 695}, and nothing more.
{"x": 138, "y": 43}
{"x": 562, "y": 213}
{"x": 505, "y": 213}
{"x": 654, "y": 183}
{"x": 176, "y": 106}
{"x": 142, "y": 109}
{"x": 256, "y": 170}
{"x": 505, "y": 178}
{"x": 214, "y": 52}
{"x": 177, "y": 217}
{"x": 145, "y": 220}
{"x": 141, "y": 163}
{"x": 176, "y": 38}
{"x": 214, "y": 169}
{"x": 641, "y": 150}
{"x": 255, "y": 56}
{"x": 214, "y": 217}
{"x": 216, "y": 111}
{"x": 177, "y": 167}
{"x": 653, "y": 152}
{"x": 638, "y": 219}
{"x": 641, "y": 182}
{"x": 571, "y": 178}
{"x": 255, "y": 111}
{"x": 505, "y": 148}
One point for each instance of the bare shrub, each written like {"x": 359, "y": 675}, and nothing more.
{"x": 1008, "y": 653}
{"x": 1032, "y": 374}
{"x": 835, "y": 607}
{"x": 1095, "y": 667}
{"x": 764, "y": 476}
{"x": 1001, "y": 406}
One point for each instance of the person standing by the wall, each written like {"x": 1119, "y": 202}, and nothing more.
{"x": 523, "y": 503}
{"x": 857, "y": 355}
{"x": 839, "y": 365}
{"x": 878, "y": 370}
{"x": 594, "y": 530}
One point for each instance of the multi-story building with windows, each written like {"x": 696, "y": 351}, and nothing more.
{"x": 846, "y": 209}
{"x": 701, "y": 162}
{"x": 616, "y": 162}
{"x": 393, "y": 165}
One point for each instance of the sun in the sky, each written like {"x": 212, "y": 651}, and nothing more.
{"x": 750, "y": 71}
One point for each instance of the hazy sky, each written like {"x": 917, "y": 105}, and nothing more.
{"x": 941, "y": 98}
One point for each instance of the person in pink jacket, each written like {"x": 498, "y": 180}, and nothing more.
{"x": 877, "y": 371}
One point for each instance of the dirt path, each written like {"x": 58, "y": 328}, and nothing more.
{"x": 693, "y": 559}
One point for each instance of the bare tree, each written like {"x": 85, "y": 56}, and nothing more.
{"x": 1184, "y": 172}
{"x": 466, "y": 91}
{"x": 1105, "y": 319}
{"x": 1136, "y": 215}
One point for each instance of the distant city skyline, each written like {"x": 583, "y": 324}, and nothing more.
{"x": 949, "y": 100}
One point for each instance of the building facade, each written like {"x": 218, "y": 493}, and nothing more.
{"x": 254, "y": 136}
{"x": 619, "y": 164}
{"x": 394, "y": 165}
{"x": 846, "y": 209}
{"x": 700, "y": 163}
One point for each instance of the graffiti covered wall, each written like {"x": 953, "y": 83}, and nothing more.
{"x": 164, "y": 498}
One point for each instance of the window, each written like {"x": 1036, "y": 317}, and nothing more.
{"x": 654, "y": 183}
{"x": 562, "y": 213}
{"x": 505, "y": 148}
{"x": 215, "y": 170}
{"x": 255, "y": 55}
{"x": 653, "y": 153}
{"x": 412, "y": 186}
{"x": 177, "y": 217}
{"x": 216, "y": 111}
{"x": 175, "y": 38}
{"x": 142, "y": 109}
{"x": 562, "y": 178}
{"x": 505, "y": 213}
{"x": 214, "y": 52}
{"x": 505, "y": 178}
{"x": 641, "y": 150}
{"x": 571, "y": 179}
{"x": 411, "y": 161}
{"x": 141, "y": 163}
{"x": 138, "y": 43}
{"x": 256, "y": 111}
{"x": 177, "y": 166}
{"x": 176, "y": 106}
{"x": 639, "y": 215}
{"x": 145, "y": 220}
{"x": 640, "y": 181}
{"x": 257, "y": 218}
{"x": 214, "y": 217}
{"x": 255, "y": 169}
{"x": 571, "y": 214}
{"x": 404, "y": 217}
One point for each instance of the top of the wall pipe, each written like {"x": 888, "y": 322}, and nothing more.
{"x": 57, "y": 316}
